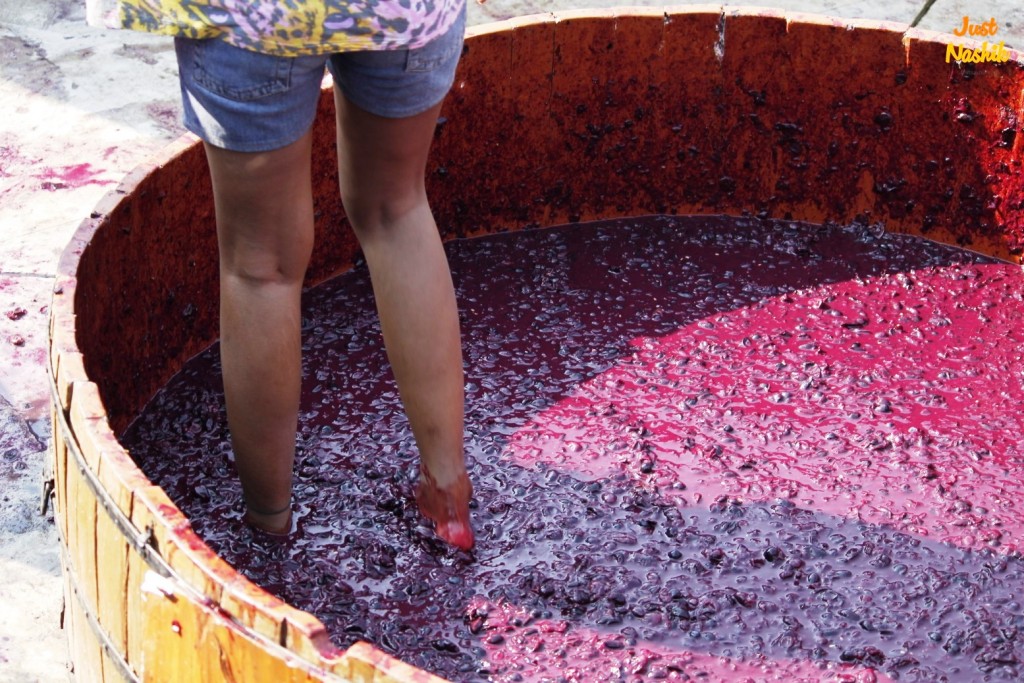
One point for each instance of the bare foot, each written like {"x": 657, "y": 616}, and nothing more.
{"x": 448, "y": 508}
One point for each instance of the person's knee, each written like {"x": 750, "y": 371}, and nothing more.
{"x": 259, "y": 267}
{"x": 378, "y": 214}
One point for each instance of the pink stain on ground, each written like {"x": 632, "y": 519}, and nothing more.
{"x": 8, "y": 157}
{"x": 70, "y": 177}
{"x": 12, "y": 162}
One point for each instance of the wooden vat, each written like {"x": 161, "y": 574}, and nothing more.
{"x": 553, "y": 119}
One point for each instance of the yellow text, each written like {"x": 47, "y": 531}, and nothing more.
{"x": 985, "y": 53}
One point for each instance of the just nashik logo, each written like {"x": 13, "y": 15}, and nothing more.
{"x": 988, "y": 52}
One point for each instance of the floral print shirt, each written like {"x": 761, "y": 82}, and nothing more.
{"x": 286, "y": 27}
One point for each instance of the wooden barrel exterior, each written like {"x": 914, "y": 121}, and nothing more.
{"x": 553, "y": 119}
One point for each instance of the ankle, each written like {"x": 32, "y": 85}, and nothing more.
{"x": 277, "y": 522}
{"x": 444, "y": 477}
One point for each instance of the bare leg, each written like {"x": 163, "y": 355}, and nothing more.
{"x": 265, "y": 231}
{"x": 381, "y": 169}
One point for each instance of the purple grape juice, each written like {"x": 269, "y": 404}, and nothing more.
{"x": 700, "y": 446}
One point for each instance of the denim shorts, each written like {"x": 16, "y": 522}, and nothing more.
{"x": 245, "y": 101}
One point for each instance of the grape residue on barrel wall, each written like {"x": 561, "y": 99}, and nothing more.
{"x": 699, "y": 445}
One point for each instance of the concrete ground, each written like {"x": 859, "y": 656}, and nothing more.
{"x": 82, "y": 107}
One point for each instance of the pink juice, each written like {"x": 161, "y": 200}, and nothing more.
{"x": 703, "y": 449}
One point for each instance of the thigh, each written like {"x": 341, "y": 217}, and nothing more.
{"x": 387, "y": 107}
{"x": 264, "y": 210}
{"x": 246, "y": 101}
{"x": 381, "y": 161}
